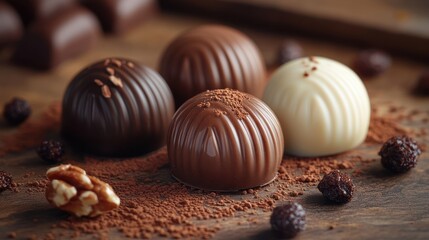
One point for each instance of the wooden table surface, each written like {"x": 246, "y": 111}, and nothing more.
{"x": 385, "y": 206}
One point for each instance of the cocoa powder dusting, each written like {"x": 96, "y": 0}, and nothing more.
{"x": 382, "y": 128}
{"x": 233, "y": 99}
{"x": 153, "y": 204}
{"x": 33, "y": 131}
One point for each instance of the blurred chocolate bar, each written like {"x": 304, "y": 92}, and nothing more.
{"x": 50, "y": 41}
{"x": 11, "y": 28}
{"x": 35, "y": 10}
{"x": 119, "y": 16}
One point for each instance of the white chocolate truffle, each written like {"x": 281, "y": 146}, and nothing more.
{"x": 322, "y": 105}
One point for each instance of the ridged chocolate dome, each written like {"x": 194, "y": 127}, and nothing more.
{"x": 212, "y": 57}
{"x": 322, "y": 105}
{"x": 224, "y": 140}
{"x": 117, "y": 107}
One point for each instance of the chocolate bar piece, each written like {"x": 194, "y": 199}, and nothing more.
{"x": 10, "y": 25}
{"x": 119, "y": 16}
{"x": 52, "y": 40}
{"x": 34, "y": 10}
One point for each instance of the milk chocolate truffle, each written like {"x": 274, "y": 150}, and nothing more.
{"x": 117, "y": 107}
{"x": 224, "y": 140}
{"x": 55, "y": 39}
{"x": 11, "y": 27}
{"x": 119, "y": 16}
{"x": 322, "y": 105}
{"x": 212, "y": 57}
{"x": 35, "y": 10}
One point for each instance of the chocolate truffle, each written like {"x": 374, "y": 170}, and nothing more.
{"x": 34, "y": 10}
{"x": 55, "y": 39}
{"x": 212, "y": 57}
{"x": 117, "y": 107}
{"x": 10, "y": 25}
{"x": 322, "y": 105}
{"x": 224, "y": 140}
{"x": 119, "y": 16}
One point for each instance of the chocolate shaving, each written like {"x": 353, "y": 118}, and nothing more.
{"x": 105, "y": 90}
{"x": 116, "y": 81}
{"x": 106, "y": 62}
{"x": 313, "y": 59}
{"x": 111, "y": 71}
{"x": 98, "y": 82}
{"x": 117, "y": 62}
{"x": 130, "y": 64}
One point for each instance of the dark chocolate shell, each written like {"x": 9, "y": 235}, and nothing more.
{"x": 224, "y": 140}
{"x": 117, "y": 107}
{"x": 212, "y": 57}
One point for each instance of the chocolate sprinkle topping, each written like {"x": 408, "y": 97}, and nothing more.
{"x": 233, "y": 99}
{"x": 105, "y": 90}
{"x": 116, "y": 81}
{"x": 98, "y": 82}
{"x": 110, "y": 71}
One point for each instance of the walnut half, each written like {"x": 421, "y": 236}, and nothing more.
{"x": 71, "y": 190}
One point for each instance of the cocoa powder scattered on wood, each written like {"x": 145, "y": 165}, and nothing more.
{"x": 153, "y": 204}
{"x": 33, "y": 131}
{"x": 383, "y": 128}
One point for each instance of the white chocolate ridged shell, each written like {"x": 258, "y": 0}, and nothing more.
{"x": 322, "y": 105}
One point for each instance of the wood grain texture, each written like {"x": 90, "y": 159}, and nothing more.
{"x": 399, "y": 26}
{"x": 385, "y": 206}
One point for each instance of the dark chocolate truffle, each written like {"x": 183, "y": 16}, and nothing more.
{"x": 119, "y": 16}
{"x": 35, "y": 10}
{"x": 117, "y": 107}
{"x": 55, "y": 39}
{"x": 11, "y": 27}
{"x": 224, "y": 140}
{"x": 212, "y": 57}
